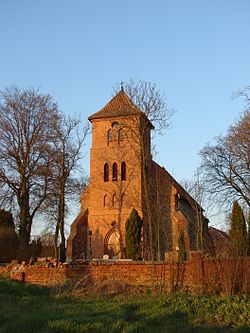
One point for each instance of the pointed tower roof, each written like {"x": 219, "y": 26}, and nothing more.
{"x": 119, "y": 105}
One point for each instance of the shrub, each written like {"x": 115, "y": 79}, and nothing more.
{"x": 8, "y": 237}
{"x": 133, "y": 236}
{"x": 237, "y": 232}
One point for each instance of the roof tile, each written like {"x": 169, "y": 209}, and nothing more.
{"x": 120, "y": 105}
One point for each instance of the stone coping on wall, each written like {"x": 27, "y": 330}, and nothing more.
{"x": 123, "y": 262}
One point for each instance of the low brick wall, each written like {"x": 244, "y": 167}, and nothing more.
{"x": 197, "y": 276}
{"x": 3, "y": 271}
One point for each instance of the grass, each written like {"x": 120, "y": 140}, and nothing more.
{"x": 33, "y": 309}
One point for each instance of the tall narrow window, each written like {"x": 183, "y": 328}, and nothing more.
{"x": 113, "y": 200}
{"x": 106, "y": 172}
{"x": 120, "y": 135}
{"x": 105, "y": 198}
{"x": 123, "y": 170}
{"x": 115, "y": 173}
{"x": 110, "y": 135}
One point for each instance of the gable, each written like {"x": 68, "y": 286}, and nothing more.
{"x": 119, "y": 106}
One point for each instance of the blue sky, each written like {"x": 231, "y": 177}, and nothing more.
{"x": 196, "y": 51}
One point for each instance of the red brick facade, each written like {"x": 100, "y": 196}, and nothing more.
{"x": 209, "y": 275}
{"x": 123, "y": 176}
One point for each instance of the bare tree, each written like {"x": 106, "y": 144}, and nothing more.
{"x": 248, "y": 233}
{"x": 26, "y": 135}
{"x": 155, "y": 114}
{"x": 202, "y": 203}
{"x": 227, "y": 164}
{"x": 244, "y": 93}
{"x": 65, "y": 182}
{"x": 152, "y": 102}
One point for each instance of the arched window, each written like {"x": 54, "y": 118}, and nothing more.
{"x": 110, "y": 135}
{"x": 113, "y": 200}
{"x": 120, "y": 135}
{"x": 123, "y": 170}
{"x": 114, "y": 123}
{"x": 114, "y": 172}
{"x": 105, "y": 200}
{"x": 106, "y": 172}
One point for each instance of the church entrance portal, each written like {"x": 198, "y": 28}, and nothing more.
{"x": 112, "y": 244}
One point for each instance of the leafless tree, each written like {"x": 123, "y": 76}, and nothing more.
{"x": 152, "y": 102}
{"x": 248, "y": 233}
{"x": 26, "y": 136}
{"x": 155, "y": 114}
{"x": 202, "y": 204}
{"x": 244, "y": 93}
{"x": 65, "y": 181}
{"x": 227, "y": 163}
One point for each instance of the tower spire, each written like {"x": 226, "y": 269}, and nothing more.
{"x": 122, "y": 83}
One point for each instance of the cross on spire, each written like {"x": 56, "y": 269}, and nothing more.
{"x": 122, "y": 83}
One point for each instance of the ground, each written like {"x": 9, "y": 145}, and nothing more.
{"x": 42, "y": 310}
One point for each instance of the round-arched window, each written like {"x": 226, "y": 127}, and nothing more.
{"x": 114, "y": 171}
{"x": 123, "y": 171}
{"x": 114, "y": 124}
{"x": 106, "y": 172}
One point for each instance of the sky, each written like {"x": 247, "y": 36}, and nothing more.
{"x": 197, "y": 52}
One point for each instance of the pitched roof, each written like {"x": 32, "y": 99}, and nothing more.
{"x": 180, "y": 190}
{"x": 120, "y": 105}
{"x": 220, "y": 240}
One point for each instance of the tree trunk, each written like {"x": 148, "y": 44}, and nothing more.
{"x": 25, "y": 224}
{"x": 148, "y": 234}
{"x": 56, "y": 254}
{"x": 61, "y": 216}
{"x": 23, "y": 244}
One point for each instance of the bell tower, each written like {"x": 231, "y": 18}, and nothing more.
{"x": 115, "y": 173}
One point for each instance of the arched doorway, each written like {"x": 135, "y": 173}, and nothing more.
{"x": 112, "y": 245}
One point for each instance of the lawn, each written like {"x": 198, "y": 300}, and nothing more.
{"x": 33, "y": 309}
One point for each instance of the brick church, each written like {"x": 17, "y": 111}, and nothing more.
{"x": 124, "y": 176}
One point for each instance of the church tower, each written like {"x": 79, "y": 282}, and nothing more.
{"x": 115, "y": 188}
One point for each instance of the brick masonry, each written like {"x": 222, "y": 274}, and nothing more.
{"x": 197, "y": 276}
{"x": 165, "y": 207}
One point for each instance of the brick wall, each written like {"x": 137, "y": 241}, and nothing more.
{"x": 197, "y": 276}
{"x": 103, "y": 217}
